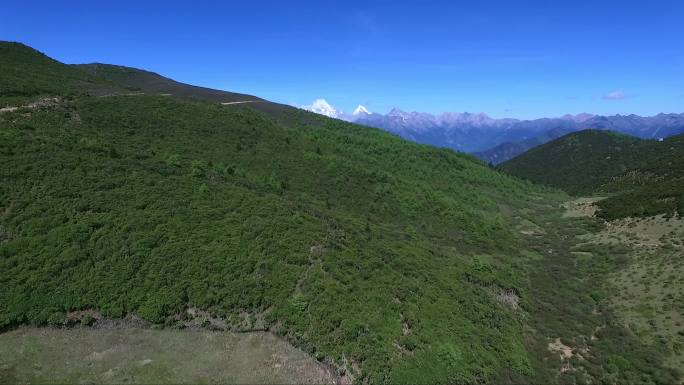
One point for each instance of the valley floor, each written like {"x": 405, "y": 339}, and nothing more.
{"x": 608, "y": 296}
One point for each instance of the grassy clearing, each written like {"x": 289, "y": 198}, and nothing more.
{"x": 651, "y": 288}
{"x": 647, "y": 292}
{"x": 575, "y": 334}
{"x": 115, "y": 356}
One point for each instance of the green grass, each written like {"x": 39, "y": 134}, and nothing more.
{"x": 649, "y": 291}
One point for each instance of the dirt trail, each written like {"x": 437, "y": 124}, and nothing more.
{"x": 44, "y": 102}
{"x": 240, "y": 102}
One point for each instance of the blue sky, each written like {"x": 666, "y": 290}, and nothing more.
{"x": 522, "y": 59}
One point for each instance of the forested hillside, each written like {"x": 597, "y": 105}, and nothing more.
{"x": 339, "y": 235}
{"x": 641, "y": 177}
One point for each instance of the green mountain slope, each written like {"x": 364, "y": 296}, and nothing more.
{"x": 146, "y": 81}
{"x": 643, "y": 177}
{"x": 339, "y": 235}
{"x": 509, "y": 150}
{"x": 137, "y": 80}
{"x": 394, "y": 261}
{"x": 579, "y": 163}
{"x": 27, "y": 73}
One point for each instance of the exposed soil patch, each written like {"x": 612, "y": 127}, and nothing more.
{"x": 559, "y": 347}
{"x": 134, "y": 355}
{"x": 565, "y": 352}
{"x": 581, "y": 207}
{"x": 40, "y": 103}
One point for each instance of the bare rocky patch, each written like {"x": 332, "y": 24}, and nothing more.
{"x": 565, "y": 351}
{"x": 566, "y": 354}
{"x": 510, "y": 298}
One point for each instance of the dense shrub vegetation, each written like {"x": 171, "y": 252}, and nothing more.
{"x": 340, "y": 234}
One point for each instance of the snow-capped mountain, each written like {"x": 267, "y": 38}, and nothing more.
{"x": 321, "y": 106}
{"x": 360, "y": 111}
{"x": 483, "y": 135}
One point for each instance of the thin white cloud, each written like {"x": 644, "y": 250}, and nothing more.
{"x": 615, "y": 95}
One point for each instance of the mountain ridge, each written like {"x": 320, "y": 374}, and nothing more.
{"x": 481, "y": 135}
{"x": 135, "y": 79}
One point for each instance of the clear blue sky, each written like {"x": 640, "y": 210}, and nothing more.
{"x": 518, "y": 58}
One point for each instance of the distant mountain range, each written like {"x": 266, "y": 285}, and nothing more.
{"x": 498, "y": 140}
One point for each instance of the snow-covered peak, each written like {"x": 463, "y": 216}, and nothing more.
{"x": 321, "y": 106}
{"x": 360, "y": 110}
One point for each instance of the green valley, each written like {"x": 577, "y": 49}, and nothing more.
{"x": 638, "y": 193}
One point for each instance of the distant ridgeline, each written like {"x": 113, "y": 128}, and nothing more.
{"x": 641, "y": 177}
{"x": 124, "y": 192}
{"x": 498, "y": 140}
